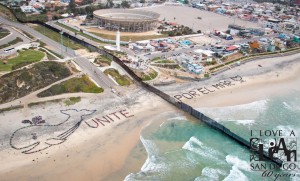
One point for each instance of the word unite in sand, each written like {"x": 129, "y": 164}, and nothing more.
{"x": 109, "y": 118}
{"x": 231, "y": 81}
{"x": 39, "y": 135}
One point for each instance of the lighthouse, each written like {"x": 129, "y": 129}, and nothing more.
{"x": 118, "y": 40}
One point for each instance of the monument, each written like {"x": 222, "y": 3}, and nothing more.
{"x": 118, "y": 40}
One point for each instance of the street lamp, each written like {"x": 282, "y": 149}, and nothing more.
{"x": 61, "y": 41}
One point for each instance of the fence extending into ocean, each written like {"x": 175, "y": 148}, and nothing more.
{"x": 184, "y": 107}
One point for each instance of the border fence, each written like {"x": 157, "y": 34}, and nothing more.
{"x": 184, "y": 107}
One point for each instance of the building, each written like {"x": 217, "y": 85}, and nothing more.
{"x": 126, "y": 20}
{"x": 28, "y": 9}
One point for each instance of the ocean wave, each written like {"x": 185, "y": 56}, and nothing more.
{"x": 247, "y": 111}
{"x": 243, "y": 121}
{"x": 291, "y": 107}
{"x": 196, "y": 146}
{"x": 240, "y": 164}
{"x": 210, "y": 174}
{"x": 235, "y": 175}
{"x": 153, "y": 164}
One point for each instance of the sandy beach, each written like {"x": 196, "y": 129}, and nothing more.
{"x": 101, "y": 152}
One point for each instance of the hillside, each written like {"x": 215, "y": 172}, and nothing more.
{"x": 22, "y": 82}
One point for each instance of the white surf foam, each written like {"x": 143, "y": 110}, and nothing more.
{"x": 210, "y": 174}
{"x": 196, "y": 146}
{"x": 243, "y": 121}
{"x": 291, "y": 106}
{"x": 235, "y": 173}
{"x": 244, "y": 111}
{"x": 235, "y": 161}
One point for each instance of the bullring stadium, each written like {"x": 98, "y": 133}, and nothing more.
{"x": 126, "y": 20}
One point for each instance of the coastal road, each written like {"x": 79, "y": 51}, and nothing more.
{"x": 87, "y": 67}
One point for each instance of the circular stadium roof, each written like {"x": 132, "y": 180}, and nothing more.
{"x": 126, "y": 15}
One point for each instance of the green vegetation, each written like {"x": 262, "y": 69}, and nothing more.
{"x": 10, "y": 108}
{"x": 73, "y": 85}
{"x": 122, "y": 80}
{"x": 155, "y": 59}
{"x": 72, "y": 101}
{"x": 177, "y": 31}
{"x": 25, "y": 57}
{"x": 5, "y": 12}
{"x": 129, "y": 37}
{"x": 103, "y": 61}
{"x": 206, "y": 75}
{"x": 23, "y": 17}
{"x": 165, "y": 61}
{"x": 56, "y": 37}
{"x": 15, "y": 41}
{"x": 49, "y": 56}
{"x": 22, "y": 82}
{"x": 43, "y": 102}
{"x": 152, "y": 74}
{"x": 56, "y": 54}
{"x": 3, "y": 32}
{"x": 79, "y": 33}
{"x": 27, "y": 34}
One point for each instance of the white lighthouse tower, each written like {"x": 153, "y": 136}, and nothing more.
{"x": 118, "y": 41}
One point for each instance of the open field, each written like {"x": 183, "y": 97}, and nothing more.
{"x": 120, "y": 79}
{"x": 103, "y": 61}
{"x": 24, "y": 58}
{"x": 24, "y": 81}
{"x": 188, "y": 16}
{"x": 56, "y": 37}
{"x": 73, "y": 85}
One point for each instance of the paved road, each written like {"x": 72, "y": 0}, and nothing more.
{"x": 87, "y": 67}
{"x": 14, "y": 34}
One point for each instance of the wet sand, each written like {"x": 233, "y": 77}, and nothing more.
{"x": 104, "y": 153}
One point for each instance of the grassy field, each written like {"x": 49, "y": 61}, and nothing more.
{"x": 73, "y": 85}
{"x": 103, "y": 61}
{"x": 56, "y": 37}
{"x": 28, "y": 56}
{"x": 165, "y": 61}
{"x": 151, "y": 74}
{"x": 72, "y": 101}
{"x": 24, "y": 81}
{"x": 15, "y": 41}
{"x": 122, "y": 80}
{"x": 127, "y": 38}
{"x": 49, "y": 56}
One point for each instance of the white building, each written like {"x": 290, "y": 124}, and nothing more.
{"x": 204, "y": 55}
{"x": 28, "y": 9}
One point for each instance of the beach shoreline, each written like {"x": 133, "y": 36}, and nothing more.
{"x": 98, "y": 154}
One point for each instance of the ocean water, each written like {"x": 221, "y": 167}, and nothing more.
{"x": 181, "y": 148}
